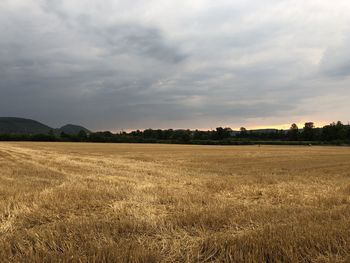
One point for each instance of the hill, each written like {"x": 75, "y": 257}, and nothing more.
{"x": 11, "y": 125}
{"x": 72, "y": 129}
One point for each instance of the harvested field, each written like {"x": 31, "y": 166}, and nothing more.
{"x": 71, "y": 202}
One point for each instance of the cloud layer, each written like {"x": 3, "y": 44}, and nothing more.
{"x": 197, "y": 64}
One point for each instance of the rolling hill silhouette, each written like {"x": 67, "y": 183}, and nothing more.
{"x": 14, "y": 125}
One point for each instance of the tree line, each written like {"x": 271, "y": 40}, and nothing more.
{"x": 334, "y": 133}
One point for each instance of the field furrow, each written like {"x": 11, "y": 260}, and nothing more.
{"x": 69, "y": 202}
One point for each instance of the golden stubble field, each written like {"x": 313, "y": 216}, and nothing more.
{"x": 70, "y": 202}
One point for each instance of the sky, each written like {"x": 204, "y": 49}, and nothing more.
{"x": 122, "y": 65}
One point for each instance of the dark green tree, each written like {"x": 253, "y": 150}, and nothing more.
{"x": 222, "y": 133}
{"x": 64, "y": 135}
{"x": 243, "y": 132}
{"x": 334, "y": 131}
{"x": 82, "y": 135}
{"x": 51, "y": 133}
{"x": 293, "y": 132}
{"x": 308, "y": 131}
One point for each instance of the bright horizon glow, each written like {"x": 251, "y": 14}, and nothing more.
{"x": 300, "y": 125}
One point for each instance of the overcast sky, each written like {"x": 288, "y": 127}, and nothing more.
{"x": 112, "y": 65}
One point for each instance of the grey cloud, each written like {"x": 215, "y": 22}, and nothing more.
{"x": 60, "y": 63}
{"x": 118, "y": 38}
{"x": 147, "y": 42}
{"x": 336, "y": 60}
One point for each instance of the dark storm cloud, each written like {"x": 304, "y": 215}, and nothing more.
{"x": 140, "y": 40}
{"x": 118, "y": 38}
{"x": 124, "y": 64}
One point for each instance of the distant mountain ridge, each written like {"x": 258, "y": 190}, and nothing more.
{"x": 14, "y": 125}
